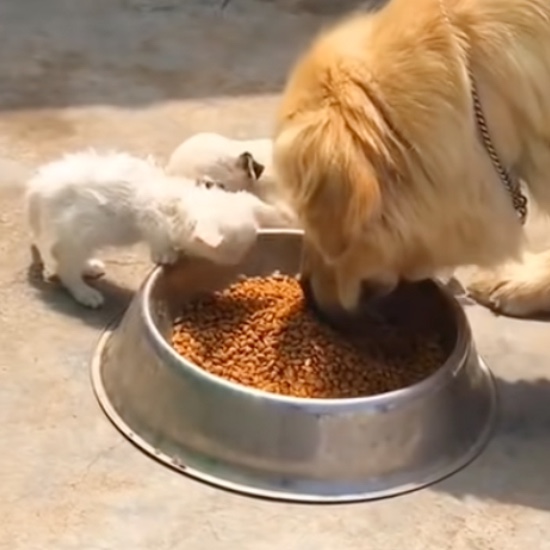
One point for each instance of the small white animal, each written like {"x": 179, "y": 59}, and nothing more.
{"x": 86, "y": 201}
{"x": 239, "y": 164}
{"x": 234, "y": 164}
{"x": 227, "y": 222}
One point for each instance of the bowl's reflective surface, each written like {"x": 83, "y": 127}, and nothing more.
{"x": 279, "y": 447}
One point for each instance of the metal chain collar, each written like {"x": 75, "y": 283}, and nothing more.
{"x": 510, "y": 183}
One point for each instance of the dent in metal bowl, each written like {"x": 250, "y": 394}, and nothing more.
{"x": 318, "y": 450}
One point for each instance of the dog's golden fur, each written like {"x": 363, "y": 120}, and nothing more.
{"x": 378, "y": 150}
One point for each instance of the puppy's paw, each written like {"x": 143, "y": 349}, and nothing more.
{"x": 94, "y": 269}
{"x": 87, "y": 296}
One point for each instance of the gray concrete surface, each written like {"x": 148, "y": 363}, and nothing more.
{"x": 141, "y": 75}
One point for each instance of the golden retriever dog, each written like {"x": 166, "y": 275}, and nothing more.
{"x": 378, "y": 149}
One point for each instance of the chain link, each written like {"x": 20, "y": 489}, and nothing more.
{"x": 510, "y": 183}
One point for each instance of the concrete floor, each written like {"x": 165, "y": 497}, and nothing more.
{"x": 141, "y": 75}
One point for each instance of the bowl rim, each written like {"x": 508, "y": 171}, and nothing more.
{"x": 392, "y": 399}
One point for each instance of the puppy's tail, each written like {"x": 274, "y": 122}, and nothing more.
{"x": 14, "y": 175}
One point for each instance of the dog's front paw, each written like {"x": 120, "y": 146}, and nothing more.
{"x": 87, "y": 296}
{"x": 505, "y": 297}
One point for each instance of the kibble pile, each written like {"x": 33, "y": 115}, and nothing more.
{"x": 259, "y": 332}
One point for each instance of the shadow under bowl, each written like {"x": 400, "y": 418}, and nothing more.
{"x": 286, "y": 448}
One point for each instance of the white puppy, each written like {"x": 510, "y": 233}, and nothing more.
{"x": 216, "y": 158}
{"x": 239, "y": 164}
{"x": 227, "y": 222}
{"x": 86, "y": 201}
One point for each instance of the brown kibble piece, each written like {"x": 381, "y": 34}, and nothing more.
{"x": 259, "y": 333}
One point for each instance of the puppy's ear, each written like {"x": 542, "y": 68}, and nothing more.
{"x": 246, "y": 162}
{"x": 207, "y": 233}
{"x": 333, "y": 186}
{"x": 258, "y": 169}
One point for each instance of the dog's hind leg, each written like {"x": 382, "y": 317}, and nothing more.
{"x": 72, "y": 263}
{"x": 40, "y": 249}
{"x": 517, "y": 289}
{"x": 43, "y": 260}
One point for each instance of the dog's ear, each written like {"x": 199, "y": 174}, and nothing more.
{"x": 247, "y": 162}
{"x": 208, "y": 233}
{"x": 332, "y": 185}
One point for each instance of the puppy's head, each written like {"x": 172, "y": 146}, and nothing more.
{"x": 232, "y": 173}
{"x": 220, "y": 246}
{"x": 222, "y": 238}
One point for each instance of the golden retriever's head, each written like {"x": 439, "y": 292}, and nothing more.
{"x": 335, "y": 177}
{"x": 337, "y": 195}
{"x": 376, "y": 152}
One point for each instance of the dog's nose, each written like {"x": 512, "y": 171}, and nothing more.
{"x": 370, "y": 307}
{"x": 332, "y": 313}
{"x": 372, "y": 291}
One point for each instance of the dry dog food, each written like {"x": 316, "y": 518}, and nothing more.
{"x": 259, "y": 332}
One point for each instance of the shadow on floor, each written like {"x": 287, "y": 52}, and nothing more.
{"x": 515, "y": 467}
{"x": 138, "y": 52}
{"x": 117, "y": 298}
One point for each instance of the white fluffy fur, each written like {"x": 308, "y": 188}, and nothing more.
{"x": 213, "y": 155}
{"x": 228, "y": 222}
{"x": 86, "y": 201}
{"x": 210, "y": 156}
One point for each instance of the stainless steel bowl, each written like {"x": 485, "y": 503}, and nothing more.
{"x": 333, "y": 450}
